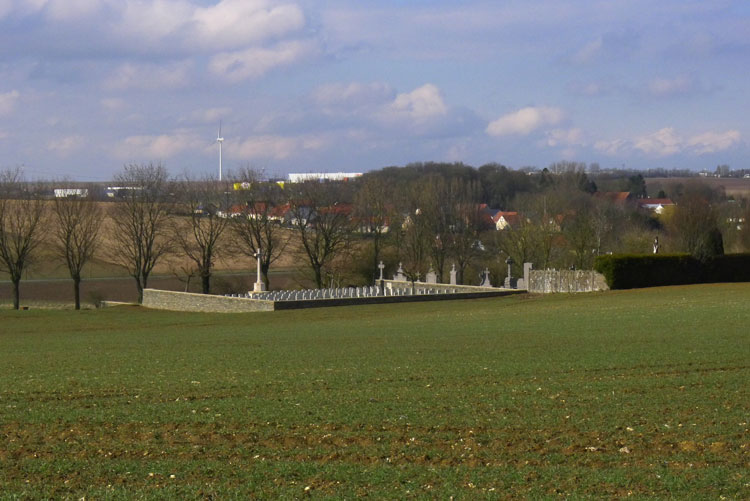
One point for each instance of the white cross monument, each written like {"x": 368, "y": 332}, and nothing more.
{"x": 259, "y": 286}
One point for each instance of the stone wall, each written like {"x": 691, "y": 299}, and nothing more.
{"x": 187, "y": 301}
{"x": 545, "y": 281}
{"x": 447, "y": 288}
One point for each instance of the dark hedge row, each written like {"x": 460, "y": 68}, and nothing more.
{"x": 628, "y": 271}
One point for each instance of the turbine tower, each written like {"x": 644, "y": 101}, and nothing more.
{"x": 219, "y": 140}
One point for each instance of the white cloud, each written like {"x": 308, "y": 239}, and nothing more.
{"x": 158, "y": 147}
{"x": 6, "y": 7}
{"x": 64, "y": 146}
{"x": 589, "y": 89}
{"x": 149, "y": 76}
{"x": 234, "y": 23}
{"x": 608, "y": 47}
{"x": 667, "y": 141}
{"x": 525, "y": 121}
{"x": 150, "y": 21}
{"x": 257, "y": 61}
{"x": 669, "y": 87}
{"x": 565, "y": 137}
{"x": 421, "y": 104}
{"x": 711, "y": 142}
{"x": 352, "y": 95}
{"x": 70, "y": 10}
{"x": 612, "y": 147}
{"x": 112, "y": 103}
{"x": 277, "y": 147}
{"x": 588, "y": 52}
{"x": 185, "y": 25}
{"x": 8, "y": 102}
{"x": 210, "y": 115}
{"x": 660, "y": 143}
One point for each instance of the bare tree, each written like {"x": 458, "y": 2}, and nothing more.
{"x": 204, "y": 218}
{"x": 373, "y": 214}
{"x": 439, "y": 210}
{"x": 257, "y": 232}
{"x": 76, "y": 232}
{"x": 21, "y": 215}
{"x": 415, "y": 236}
{"x": 466, "y": 225}
{"x": 321, "y": 219}
{"x": 140, "y": 221}
{"x": 694, "y": 226}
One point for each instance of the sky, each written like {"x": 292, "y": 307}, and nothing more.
{"x": 88, "y": 86}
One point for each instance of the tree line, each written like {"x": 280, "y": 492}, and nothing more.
{"x": 421, "y": 218}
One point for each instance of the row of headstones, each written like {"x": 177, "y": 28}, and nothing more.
{"x": 431, "y": 277}
{"x": 337, "y": 293}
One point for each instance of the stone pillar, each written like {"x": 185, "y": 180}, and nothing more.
{"x": 258, "y": 286}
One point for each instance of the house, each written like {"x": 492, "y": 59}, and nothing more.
{"x": 656, "y": 205}
{"x": 505, "y": 219}
{"x": 616, "y": 197}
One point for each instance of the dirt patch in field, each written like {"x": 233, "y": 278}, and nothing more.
{"x": 737, "y": 187}
{"x": 443, "y": 446}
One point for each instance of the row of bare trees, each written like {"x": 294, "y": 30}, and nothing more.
{"x": 153, "y": 217}
{"x": 340, "y": 230}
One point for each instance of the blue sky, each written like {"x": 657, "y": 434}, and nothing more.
{"x": 87, "y": 86}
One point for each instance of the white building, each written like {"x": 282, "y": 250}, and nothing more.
{"x": 71, "y": 192}
{"x": 323, "y": 176}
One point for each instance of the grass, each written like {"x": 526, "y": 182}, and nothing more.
{"x": 630, "y": 393}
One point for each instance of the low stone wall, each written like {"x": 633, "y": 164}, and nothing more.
{"x": 351, "y": 301}
{"x": 447, "y": 288}
{"x": 186, "y": 301}
{"x": 546, "y": 281}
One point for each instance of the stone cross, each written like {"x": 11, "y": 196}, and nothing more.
{"x": 453, "y": 274}
{"x": 486, "y": 279}
{"x": 381, "y": 267}
{"x": 258, "y": 286}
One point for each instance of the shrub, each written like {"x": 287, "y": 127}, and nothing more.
{"x": 627, "y": 271}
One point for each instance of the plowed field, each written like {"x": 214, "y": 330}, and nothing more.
{"x": 640, "y": 394}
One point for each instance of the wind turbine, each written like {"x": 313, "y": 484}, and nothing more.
{"x": 219, "y": 140}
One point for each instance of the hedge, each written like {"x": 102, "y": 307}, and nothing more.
{"x": 628, "y": 271}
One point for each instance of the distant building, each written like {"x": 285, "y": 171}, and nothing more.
{"x": 656, "y": 205}
{"x": 616, "y": 197}
{"x": 323, "y": 176}
{"x": 71, "y": 193}
{"x": 505, "y": 219}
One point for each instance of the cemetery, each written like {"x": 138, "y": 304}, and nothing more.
{"x": 397, "y": 290}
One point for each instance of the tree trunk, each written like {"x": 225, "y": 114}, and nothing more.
{"x": 77, "y": 291}
{"x": 375, "y": 258}
{"x": 16, "y": 293}
{"x": 206, "y": 283}
{"x": 264, "y": 275}
{"x": 140, "y": 290}
{"x": 318, "y": 277}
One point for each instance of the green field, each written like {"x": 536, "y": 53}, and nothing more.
{"x": 643, "y": 393}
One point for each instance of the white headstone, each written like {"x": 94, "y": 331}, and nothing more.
{"x": 400, "y": 276}
{"x": 431, "y": 277}
{"x": 453, "y": 275}
{"x": 486, "y": 279}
